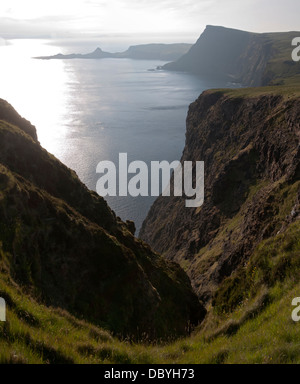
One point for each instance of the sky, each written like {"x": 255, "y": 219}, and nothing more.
{"x": 176, "y": 20}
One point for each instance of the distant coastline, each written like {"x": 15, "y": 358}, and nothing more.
{"x": 164, "y": 52}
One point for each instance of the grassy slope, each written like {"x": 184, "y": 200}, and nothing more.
{"x": 290, "y": 90}
{"x": 281, "y": 69}
{"x": 259, "y": 331}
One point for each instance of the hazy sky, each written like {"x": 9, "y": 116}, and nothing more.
{"x": 165, "y": 19}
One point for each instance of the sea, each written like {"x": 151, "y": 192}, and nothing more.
{"x": 87, "y": 111}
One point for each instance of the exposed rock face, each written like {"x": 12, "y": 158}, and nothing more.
{"x": 252, "y": 59}
{"x": 63, "y": 244}
{"x": 251, "y": 150}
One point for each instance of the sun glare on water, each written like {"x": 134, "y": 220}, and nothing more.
{"x": 36, "y": 89}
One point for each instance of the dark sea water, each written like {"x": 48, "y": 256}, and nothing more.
{"x": 87, "y": 111}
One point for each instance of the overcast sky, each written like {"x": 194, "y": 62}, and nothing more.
{"x": 175, "y": 19}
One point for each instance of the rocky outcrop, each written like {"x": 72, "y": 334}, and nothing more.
{"x": 250, "y": 143}
{"x": 8, "y": 114}
{"x": 66, "y": 247}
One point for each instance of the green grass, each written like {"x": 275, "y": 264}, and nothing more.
{"x": 56, "y": 337}
{"x": 260, "y": 330}
{"x": 289, "y": 91}
{"x": 281, "y": 69}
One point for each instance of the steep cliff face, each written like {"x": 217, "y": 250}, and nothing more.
{"x": 249, "y": 58}
{"x": 65, "y": 246}
{"x": 250, "y": 142}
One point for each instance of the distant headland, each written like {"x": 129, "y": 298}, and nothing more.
{"x": 164, "y": 52}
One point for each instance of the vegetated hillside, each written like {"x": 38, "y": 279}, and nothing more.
{"x": 250, "y": 142}
{"x": 252, "y": 59}
{"x": 65, "y": 247}
{"x": 259, "y": 331}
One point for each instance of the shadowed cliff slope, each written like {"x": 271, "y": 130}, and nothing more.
{"x": 250, "y": 142}
{"x": 252, "y": 59}
{"x": 65, "y": 246}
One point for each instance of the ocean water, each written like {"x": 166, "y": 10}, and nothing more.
{"x": 87, "y": 111}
